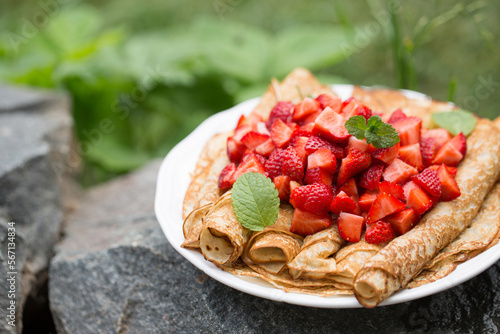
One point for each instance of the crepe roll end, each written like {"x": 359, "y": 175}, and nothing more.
{"x": 372, "y": 286}
{"x": 216, "y": 246}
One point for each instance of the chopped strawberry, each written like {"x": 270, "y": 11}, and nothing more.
{"x": 308, "y": 127}
{"x": 396, "y": 116}
{"x": 242, "y": 120}
{"x": 259, "y": 157}
{"x": 310, "y": 119}
{"x": 361, "y": 145}
{"x": 428, "y": 180}
{"x": 253, "y": 139}
{"x": 299, "y": 144}
{"x": 366, "y": 200}
{"x": 384, "y": 205}
{"x": 386, "y": 155}
{"x": 281, "y": 133}
{"x": 419, "y": 200}
{"x": 428, "y": 150}
{"x": 331, "y": 126}
{"x": 343, "y": 203}
{"x": 351, "y": 189}
{"x": 393, "y": 189}
{"x": 409, "y": 130}
{"x": 329, "y": 100}
{"x": 293, "y": 185}
{"x": 403, "y": 221}
{"x": 346, "y": 102}
{"x": 250, "y": 163}
{"x": 379, "y": 232}
{"x": 398, "y": 172}
{"x": 261, "y": 127}
{"x": 409, "y": 186}
{"x": 411, "y": 155}
{"x": 317, "y": 175}
{"x": 355, "y": 162}
{"x": 283, "y": 111}
{"x": 315, "y": 143}
{"x": 449, "y": 186}
{"x": 448, "y": 155}
{"x": 324, "y": 159}
{"x": 365, "y": 112}
{"x": 241, "y": 131}
{"x": 315, "y": 198}
{"x": 350, "y": 109}
{"x": 235, "y": 150}
{"x": 307, "y": 223}
{"x": 304, "y": 108}
{"x": 274, "y": 165}
{"x": 282, "y": 184}
{"x": 226, "y": 176}
{"x": 460, "y": 143}
{"x": 440, "y": 136}
{"x": 292, "y": 165}
{"x": 350, "y": 226}
{"x": 371, "y": 177}
{"x": 266, "y": 148}
{"x": 451, "y": 170}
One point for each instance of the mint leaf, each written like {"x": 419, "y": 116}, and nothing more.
{"x": 455, "y": 121}
{"x": 255, "y": 201}
{"x": 356, "y": 126}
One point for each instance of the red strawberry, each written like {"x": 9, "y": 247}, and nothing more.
{"x": 419, "y": 200}
{"x": 343, "y": 203}
{"x": 451, "y": 170}
{"x": 366, "y": 200}
{"x": 235, "y": 150}
{"x": 428, "y": 180}
{"x": 351, "y": 189}
{"x": 379, "y": 232}
{"x": 250, "y": 163}
{"x": 259, "y": 157}
{"x": 440, "y": 136}
{"x": 350, "y": 226}
{"x": 309, "y": 120}
{"x": 307, "y": 223}
{"x": 386, "y": 155}
{"x": 314, "y": 198}
{"x": 331, "y": 126}
{"x": 324, "y": 159}
{"x": 226, "y": 175}
{"x": 361, "y": 145}
{"x": 293, "y": 185}
{"x": 304, "y": 108}
{"x": 241, "y": 131}
{"x": 398, "y": 172}
{"x": 266, "y": 148}
{"x": 409, "y": 130}
{"x": 355, "y": 162}
{"x": 253, "y": 139}
{"x": 448, "y": 155}
{"x": 350, "y": 109}
{"x": 274, "y": 165}
{"x": 315, "y": 143}
{"x": 428, "y": 150}
{"x": 394, "y": 189}
{"x": 409, "y": 186}
{"x": 281, "y": 110}
{"x": 292, "y": 165}
{"x": 281, "y": 133}
{"x": 460, "y": 143}
{"x": 371, "y": 177}
{"x": 384, "y": 205}
{"x": 299, "y": 144}
{"x": 365, "y": 112}
{"x": 282, "y": 184}
{"x": 449, "y": 186}
{"x": 317, "y": 175}
{"x": 411, "y": 155}
{"x": 346, "y": 102}
{"x": 397, "y": 115}
{"x": 329, "y": 100}
{"x": 403, "y": 221}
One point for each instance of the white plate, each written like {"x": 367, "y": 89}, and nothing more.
{"x": 173, "y": 181}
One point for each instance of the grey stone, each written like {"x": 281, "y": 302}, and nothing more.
{"x": 116, "y": 273}
{"x": 35, "y": 135}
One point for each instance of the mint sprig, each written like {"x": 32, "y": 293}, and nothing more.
{"x": 455, "y": 121}
{"x": 255, "y": 201}
{"x": 377, "y": 132}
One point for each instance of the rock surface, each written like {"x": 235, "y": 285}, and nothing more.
{"x": 116, "y": 273}
{"x": 35, "y": 134}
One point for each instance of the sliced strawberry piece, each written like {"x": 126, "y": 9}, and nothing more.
{"x": 419, "y": 200}
{"x": 329, "y": 100}
{"x": 409, "y": 130}
{"x": 384, "y": 205}
{"x": 266, "y": 148}
{"x": 318, "y": 175}
{"x": 281, "y": 133}
{"x": 361, "y": 145}
{"x": 274, "y": 165}
{"x": 460, "y": 143}
{"x": 241, "y": 131}
{"x": 251, "y": 163}
{"x": 307, "y": 223}
{"x": 396, "y": 116}
{"x": 283, "y": 111}
{"x": 365, "y": 112}
{"x": 292, "y": 165}
{"x": 440, "y": 136}
{"x": 331, "y": 126}
{"x": 394, "y": 189}
{"x": 304, "y": 108}
{"x": 403, "y": 221}
{"x": 259, "y": 157}
{"x": 398, "y": 172}
{"x": 350, "y": 189}
{"x": 322, "y": 158}
{"x": 386, "y": 155}
{"x": 428, "y": 180}
{"x": 411, "y": 155}
{"x": 451, "y": 170}
{"x": 371, "y": 177}
{"x": 314, "y": 198}
{"x": 409, "y": 186}
{"x": 226, "y": 176}
{"x": 282, "y": 184}
{"x": 242, "y": 120}
{"x": 350, "y": 226}
{"x": 351, "y": 108}
{"x": 235, "y": 150}
{"x": 379, "y": 232}
{"x": 310, "y": 119}
{"x": 343, "y": 203}
{"x": 448, "y": 155}
{"x": 366, "y": 200}
{"x": 355, "y": 162}
{"x": 253, "y": 139}
{"x": 428, "y": 149}
{"x": 315, "y": 143}
{"x": 299, "y": 144}
{"x": 293, "y": 185}
{"x": 449, "y": 186}
{"x": 346, "y": 102}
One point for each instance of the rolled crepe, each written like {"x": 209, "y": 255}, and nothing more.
{"x": 404, "y": 257}
{"x": 222, "y": 237}
{"x": 275, "y": 246}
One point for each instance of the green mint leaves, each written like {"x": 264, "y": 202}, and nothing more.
{"x": 376, "y": 132}
{"x": 455, "y": 121}
{"x": 255, "y": 201}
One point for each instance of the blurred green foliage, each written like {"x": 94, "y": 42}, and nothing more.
{"x": 143, "y": 75}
